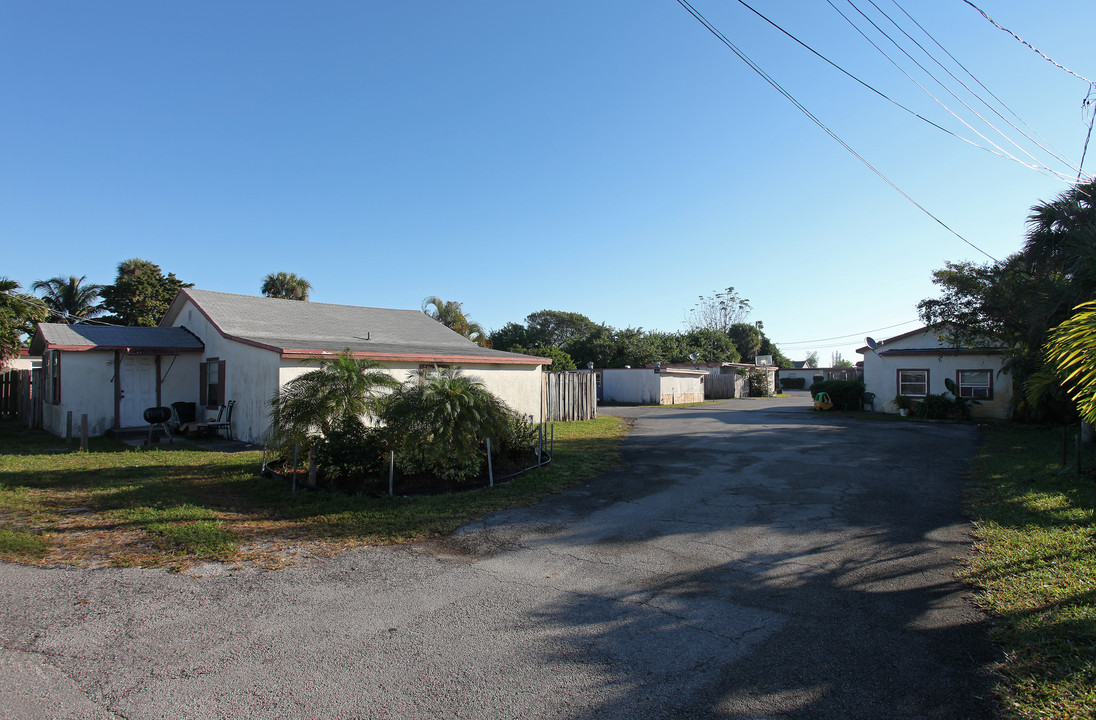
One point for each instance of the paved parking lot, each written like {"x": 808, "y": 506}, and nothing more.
{"x": 748, "y": 560}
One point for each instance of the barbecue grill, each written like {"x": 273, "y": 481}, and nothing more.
{"x": 157, "y": 417}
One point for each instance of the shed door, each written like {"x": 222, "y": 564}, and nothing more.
{"x": 138, "y": 378}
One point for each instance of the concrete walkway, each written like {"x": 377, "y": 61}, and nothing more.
{"x": 749, "y": 560}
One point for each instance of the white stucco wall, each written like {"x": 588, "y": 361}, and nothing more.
{"x": 634, "y": 385}
{"x": 644, "y": 386}
{"x": 86, "y": 388}
{"x": 881, "y": 373}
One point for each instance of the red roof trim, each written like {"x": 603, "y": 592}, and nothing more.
{"x": 420, "y": 358}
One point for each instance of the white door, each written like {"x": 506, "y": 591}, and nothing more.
{"x": 138, "y": 379}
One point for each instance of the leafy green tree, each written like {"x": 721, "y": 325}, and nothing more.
{"x": 509, "y": 336}
{"x": 141, "y": 293}
{"x": 317, "y": 403}
{"x": 450, "y": 313}
{"x": 560, "y": 359}
{"x": 709, "y": 345}
{"x": 556, "y": 327}
{"x": 286, "y": 286}
{"x": 747, "y": 338}
{"x": 19, "y": 313}
{"x": 719, "y": 311}
{"x": 439, "y": 423}
{"x": 72, "y": 300}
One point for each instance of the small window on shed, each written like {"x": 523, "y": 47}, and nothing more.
{"x": 913, "y": 383}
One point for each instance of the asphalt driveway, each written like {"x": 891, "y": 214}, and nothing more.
{"x": 749, "y": 560}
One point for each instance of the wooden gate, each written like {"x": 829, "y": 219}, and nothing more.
{"x": 570, "y": 396}
{"x": 723, "y": 387}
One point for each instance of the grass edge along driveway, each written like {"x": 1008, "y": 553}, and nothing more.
{"x": 173, "y": 506}
{"x": 1034, "y": 567}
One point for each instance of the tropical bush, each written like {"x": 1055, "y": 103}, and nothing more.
{"x": 353, "y": 457}
{"x": 319, "y": 403}
{"x": 845, "y": 394}
{"x": 438, "y": 423}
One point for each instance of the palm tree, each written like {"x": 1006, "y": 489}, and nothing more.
{"x": 344, "y": 388}
{"x": 438, "y": 423}
{"x": 71, "y": 300}
{"x": 450, "y": 313}
{"x": 18, "y": 314}
{"x": 286, "y": 286}
{"x": 1071, "y": 353}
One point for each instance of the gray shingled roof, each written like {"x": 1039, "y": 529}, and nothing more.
{"x": 292, "y": 325}
{"x": 110, "y": 337}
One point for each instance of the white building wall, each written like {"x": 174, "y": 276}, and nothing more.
{"x": 86, "y": 388}
{"x": 677, "y": 390}
{"x": 631, "y": 385}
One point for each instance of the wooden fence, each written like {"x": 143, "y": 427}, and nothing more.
{"x": 570, "y": 396}
{"x": 723, "y": 387}
{"x": 17, "y": 397}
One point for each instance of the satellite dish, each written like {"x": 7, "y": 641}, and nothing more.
{"x": 871, "y": 343}
{"x": 693, "y": 356}
{"x": 590, "y": 365}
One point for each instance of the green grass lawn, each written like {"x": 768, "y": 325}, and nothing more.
{"x": 175, "y": 505}
{"x": 1035, "y": 569}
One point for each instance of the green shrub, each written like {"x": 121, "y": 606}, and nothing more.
{"x": 935, "y": 407}
{"x": 845, "y": 394}
{"x": 352, "y": 458}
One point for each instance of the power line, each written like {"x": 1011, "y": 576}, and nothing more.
{"x": 969, "y": 90}
{"x": 925, "y": 90}
{"x": 757, "y": 69}
{"x": 845, "y": 337}
{"x": 1054, "y": 152}
{"x": 1025, "y": 42}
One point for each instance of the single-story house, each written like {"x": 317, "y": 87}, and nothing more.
{"x": 213, "y": 347}
{"x": 652, "y": 386}
{"x": 916, "y": 364}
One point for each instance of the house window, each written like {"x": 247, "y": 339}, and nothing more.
{"x": 913, "y": 383}
{"x": 211, "y": 390}
{"x": 975, "y": 384}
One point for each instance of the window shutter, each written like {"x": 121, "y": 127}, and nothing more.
{"x": 221, "y": 383}
{"x": 202, "y": 377}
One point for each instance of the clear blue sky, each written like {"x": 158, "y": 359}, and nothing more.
{"x": 611, "y": 158}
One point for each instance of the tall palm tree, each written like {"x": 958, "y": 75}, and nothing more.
{"x": 450, "y": 313}
{"x": 286, "y": 286}
{"x": 344, "y": 388}
{"x": 1071, "y": 352}
{"x": 72, "y": 300}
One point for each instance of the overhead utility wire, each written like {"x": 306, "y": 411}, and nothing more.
{"x": 776, "y": 86}
{"x": 853, "y": 77}
{"x": 1051, "y": 149}
{"x": 966, "y": 87}
{"x": 845, "y": 337}
{"x": 37, "y": 302}
{"x": 926, "y": 90}
{"x": 1025, "y": 42}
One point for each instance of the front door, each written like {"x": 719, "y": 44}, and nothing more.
{"x": 138, "y": 380}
